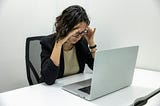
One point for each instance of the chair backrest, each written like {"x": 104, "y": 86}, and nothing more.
{"x": 33, "y": 60}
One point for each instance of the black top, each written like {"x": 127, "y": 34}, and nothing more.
{"x": 49, "y": 71}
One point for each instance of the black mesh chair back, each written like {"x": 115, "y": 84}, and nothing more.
{"x": 33, "y": 60}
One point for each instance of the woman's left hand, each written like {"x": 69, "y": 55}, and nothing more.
{"x": 90, "y": 36}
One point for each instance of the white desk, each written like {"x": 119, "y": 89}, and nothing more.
{"x": 144, "y": 83}
{"x": 154, "y": 101}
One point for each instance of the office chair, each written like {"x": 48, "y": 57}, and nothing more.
{"x": 33, "y": 60}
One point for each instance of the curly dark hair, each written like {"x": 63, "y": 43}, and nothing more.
{"x": 70, "y": 17}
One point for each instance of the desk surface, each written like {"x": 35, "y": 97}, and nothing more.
{"x": 144, "y": 83}
{"x": 154, "y": 101}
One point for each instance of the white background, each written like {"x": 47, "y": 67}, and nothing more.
{"x": 119, "y": 23}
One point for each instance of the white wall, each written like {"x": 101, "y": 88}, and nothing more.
{"x": 118, "y": 23}
{"x": 129, "y": 22}
{"x": 19, "y": 19}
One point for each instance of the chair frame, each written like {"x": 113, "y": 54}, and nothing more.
{"x": 29, "y": 65}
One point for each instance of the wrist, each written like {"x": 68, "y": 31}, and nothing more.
{"x": 93, "y": 46}
{"x": 58, "y": 44}
{"x": 91, "y": 42}
{"x": 93, "y": 50}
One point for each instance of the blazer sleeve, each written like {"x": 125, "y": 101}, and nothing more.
{"x": 89, "y": 60}
{"x": 49, "y": 71}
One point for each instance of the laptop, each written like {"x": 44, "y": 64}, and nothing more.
{"x": 113, "y": 70}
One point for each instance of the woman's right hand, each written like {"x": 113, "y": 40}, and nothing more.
{"x": 55, "y": 56}
{"x": 70, "y": 34}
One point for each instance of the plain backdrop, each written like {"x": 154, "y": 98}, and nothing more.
{"x": 118, "y": 23}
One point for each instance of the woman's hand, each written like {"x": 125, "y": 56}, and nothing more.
{"x": 90, "y": 36}
{"x": 56, "y": 52}
{"x": 71, "y": 33}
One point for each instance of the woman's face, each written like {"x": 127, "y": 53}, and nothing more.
{"x": 82, "y": 30}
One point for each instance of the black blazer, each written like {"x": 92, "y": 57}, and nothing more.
{"x": 49, "y": 71}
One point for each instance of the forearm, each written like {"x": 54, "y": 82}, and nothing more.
{"x": 56, "y": 52}
{"x": 92, "y": 50}
{"x": 49, "y": 72}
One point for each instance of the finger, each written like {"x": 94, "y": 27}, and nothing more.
{"x": 94, "y": 30}
{"x": 91, "y": 30}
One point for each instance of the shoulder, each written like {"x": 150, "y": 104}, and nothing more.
{"x": 82, "y": 45}
{"x": 48, "y": 40}
{"x": 83, "y": 42}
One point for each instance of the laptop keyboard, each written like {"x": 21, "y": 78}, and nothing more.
{"x": 86, "y": 89}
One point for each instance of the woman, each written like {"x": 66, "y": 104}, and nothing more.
{"x": 66, "y": 51}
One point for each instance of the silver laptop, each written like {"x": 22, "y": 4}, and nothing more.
{"x": 113, "y": 70}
